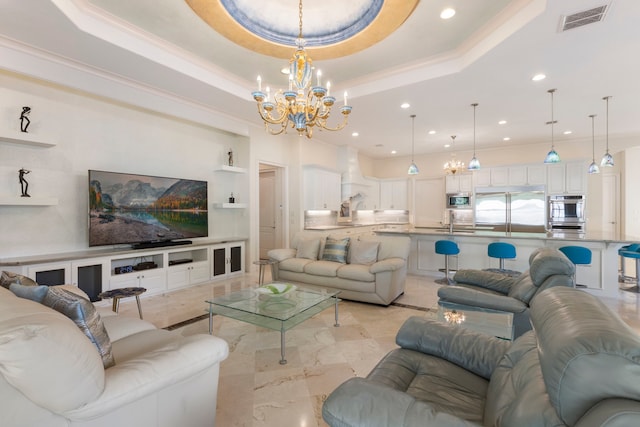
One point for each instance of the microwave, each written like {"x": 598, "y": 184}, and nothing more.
{"x": 459, "y": 201}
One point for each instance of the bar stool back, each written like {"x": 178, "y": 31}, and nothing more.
{"x": 446, "y": 248}
{"x": 578, "y": 255}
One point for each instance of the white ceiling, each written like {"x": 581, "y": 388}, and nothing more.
{"x": 486, "y": 54}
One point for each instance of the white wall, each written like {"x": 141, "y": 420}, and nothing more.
{"x": 93, "y": 133}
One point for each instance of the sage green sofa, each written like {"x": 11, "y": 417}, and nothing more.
{"x": 579, "y": 367}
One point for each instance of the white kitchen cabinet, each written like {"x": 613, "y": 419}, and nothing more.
{"x": 371, "y": 199}
{"x": 500, "y": 176}
{"x": 536, "y": 174}
{"x": 576, "y": 178}
{"x": 482, "y": 177}
{"x": 459, "y": 183}
{"x": 567, "y": 178}
{"x": 227, "y": 260}
{"x": 322, "y": 189}
{"x": 393, "y": 194}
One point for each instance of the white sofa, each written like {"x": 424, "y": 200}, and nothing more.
{"x": 375, "y": 269}
{"x": 52, "y": 375}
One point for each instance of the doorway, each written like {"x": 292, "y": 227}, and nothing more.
{"x": 271, "y": 202}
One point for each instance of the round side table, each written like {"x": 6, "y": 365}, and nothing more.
{"x": 263, "y": 263}
{"x": 116, "y": 294}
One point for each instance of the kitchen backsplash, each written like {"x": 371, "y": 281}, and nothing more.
{"x": 365, "y": 217}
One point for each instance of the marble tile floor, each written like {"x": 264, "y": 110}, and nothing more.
{"x": 256, "y": 391}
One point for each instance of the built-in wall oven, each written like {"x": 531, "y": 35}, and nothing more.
{"x": 566, "y": 213}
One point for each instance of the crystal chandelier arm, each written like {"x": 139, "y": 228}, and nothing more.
{"x": 323, "y": 123}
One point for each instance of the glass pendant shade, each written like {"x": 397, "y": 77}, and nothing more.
{"x": 413, "y": 168}
{"x": 552, "y": 155}
{"x": 593, "y": 167}
{"x": 607, "y": 159}
{"x": 474, "y": 164}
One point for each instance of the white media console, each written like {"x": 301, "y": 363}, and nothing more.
{"x": 157, "y": 269}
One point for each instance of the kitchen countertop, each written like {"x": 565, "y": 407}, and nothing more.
{"x": 470, "y": 232}
{"x": 349, "y": 225}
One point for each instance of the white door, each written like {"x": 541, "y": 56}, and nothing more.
{"x": 611, "y": 204}
{"x": 268, "y": 212}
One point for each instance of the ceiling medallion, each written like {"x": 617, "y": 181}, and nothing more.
{"x": 330, "y": 34}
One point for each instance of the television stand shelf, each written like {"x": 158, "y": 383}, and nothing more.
{"x": 99, "y": 270}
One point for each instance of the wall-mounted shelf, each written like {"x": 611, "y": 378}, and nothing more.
{"x": 28, "y": 201}
{"x": 235, "y": 169}
{"x": 24, "y": 138}
{"x": 230, "y": 205}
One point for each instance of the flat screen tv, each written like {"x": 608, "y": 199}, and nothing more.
{"x": 142, "y": 209}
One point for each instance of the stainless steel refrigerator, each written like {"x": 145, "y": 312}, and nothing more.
{"x": 513, "y": 209}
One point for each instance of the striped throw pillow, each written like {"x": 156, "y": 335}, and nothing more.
{"x": 336, "y": 250}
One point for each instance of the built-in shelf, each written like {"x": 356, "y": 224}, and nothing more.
{"x": 235, "y": 169}
{"x": 28, "y": 201}
{"x": 24, "y": 138}
{"x": 230, "y": 205}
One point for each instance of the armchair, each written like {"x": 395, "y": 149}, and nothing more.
{"x": 486, "y": 290}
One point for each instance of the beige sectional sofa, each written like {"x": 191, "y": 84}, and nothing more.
{"x": 52, "y": 375}
{"x": 371, "y": 269}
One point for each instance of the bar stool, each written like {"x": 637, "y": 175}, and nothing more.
{"x": 623, "y": 278}
{"x": 634, "y": 254}
{"x": 446, "y": 248}
{"x": 502, "y": 251}
{"x": 578, "y": 255}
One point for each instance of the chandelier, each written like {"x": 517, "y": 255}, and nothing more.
{"x": 454, "y": 317}
{"x": 302, "y": 106}
{"x": 453, "y": 165}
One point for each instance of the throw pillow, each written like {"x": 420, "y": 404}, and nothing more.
{"x": 308, "y": 249}
{"x": 34, "y": 293}
{"x": 363, "y": 252}
{"x": 7, "y": 278}
{"x": 85, "y": 316}
{"x": 336, "y": 250}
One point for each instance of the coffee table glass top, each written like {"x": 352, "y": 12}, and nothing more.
{"x": 274, "y": 311}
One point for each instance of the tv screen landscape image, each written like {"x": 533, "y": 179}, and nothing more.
{"x": 130, "y": 209}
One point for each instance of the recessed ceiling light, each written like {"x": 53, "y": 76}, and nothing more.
{"x": 355, "y": 134}
{"x": 567, "y": 132}
{"x": 432, "y": 132}
{"x": 393, "y": 151}
{"x": 284, "y": 70}
{"x": 447, "y": 145}
{"x": 502, "y": 122}
{"x": 447, "y": 13}
{"x": 506, "y": 138}
{"x": 538, "y": 77}
{"x": 405, "y": 105}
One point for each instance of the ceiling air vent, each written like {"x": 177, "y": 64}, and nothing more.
{"x": 583, "y": 18}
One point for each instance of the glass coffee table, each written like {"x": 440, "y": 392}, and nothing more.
{"x": 276, "y": 312}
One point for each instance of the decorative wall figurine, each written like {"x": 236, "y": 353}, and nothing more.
{"x": 232, "y": 199}
{"x": 24, "y": 119}
{"x": 24, "y": 185}
{"x": 230, "y": 154}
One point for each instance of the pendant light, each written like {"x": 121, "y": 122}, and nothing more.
{"x": 607, "y": 159}
{"x": 552, "y": 156}
{"x": 413, "y": 169}
{"x": 474, "y": 164}
{"x": 593, "y": 167}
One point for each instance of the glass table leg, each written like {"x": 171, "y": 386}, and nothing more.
{"x": 336, "y": 311}
{"x": 210, "y": 320}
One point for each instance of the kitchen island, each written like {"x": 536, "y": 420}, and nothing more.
{"x": 600, "y": 278}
